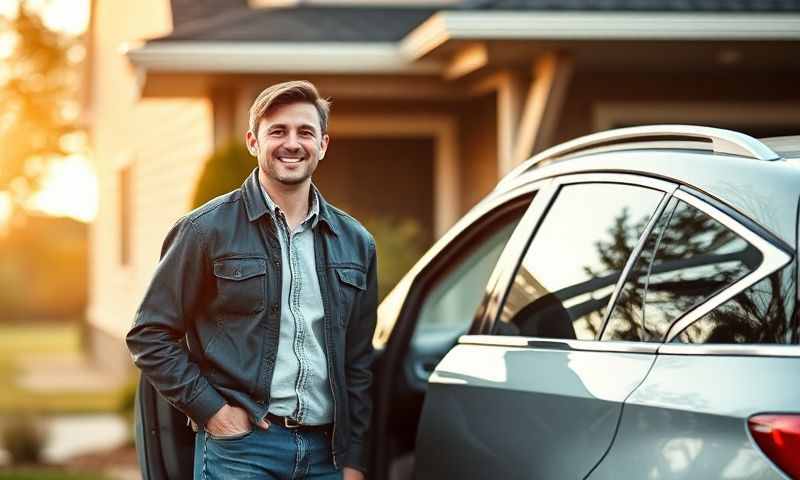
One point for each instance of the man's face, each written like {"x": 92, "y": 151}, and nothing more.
{"x": 289, "y": 143}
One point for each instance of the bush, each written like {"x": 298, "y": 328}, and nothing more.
{"x": 24, "y": 439}
{"x": 399, "y": 245}
{"x": 224, "y": 171}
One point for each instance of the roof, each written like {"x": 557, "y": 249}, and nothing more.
{"x": 234, "y": 21}
{"x": 302, "y": 24}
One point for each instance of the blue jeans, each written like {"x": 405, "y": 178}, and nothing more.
{"x": 277, "y": 453}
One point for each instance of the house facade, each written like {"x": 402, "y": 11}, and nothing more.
{"x": 432, "y": 101}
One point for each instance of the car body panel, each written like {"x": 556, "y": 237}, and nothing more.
{"x": 500, "y": 411}
{"x": 688, "y": 419}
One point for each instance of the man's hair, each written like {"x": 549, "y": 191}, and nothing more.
{"x": 286, "y": 93}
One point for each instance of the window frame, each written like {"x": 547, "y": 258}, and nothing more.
{"x": 775, "y": 256}
{"x": 502, "y": 279}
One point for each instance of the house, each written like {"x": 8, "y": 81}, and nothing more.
{"x": 432, "y": 101}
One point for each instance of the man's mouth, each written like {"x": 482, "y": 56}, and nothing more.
{"x": 290, "y": 159}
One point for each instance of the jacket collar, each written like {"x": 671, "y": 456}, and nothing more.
{"x": 256, "y": 205}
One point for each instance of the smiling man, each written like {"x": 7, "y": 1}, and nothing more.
{"x": 275, "y": 292}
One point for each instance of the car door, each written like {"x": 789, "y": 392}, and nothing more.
{"x": 164, "y": 440}
{"x": 421, "y": 320}
{"x": 537, "y": 395}
{"x": 721, "y": 292}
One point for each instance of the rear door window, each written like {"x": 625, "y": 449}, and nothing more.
{"x": 568, "y": 273}
{"x": 688, "y": 257}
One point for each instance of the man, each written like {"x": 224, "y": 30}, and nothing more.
{"x": 275, "y": 293}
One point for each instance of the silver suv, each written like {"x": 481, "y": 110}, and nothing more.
{"x": 628, "y": 308}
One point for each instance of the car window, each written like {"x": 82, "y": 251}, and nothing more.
{"x": 687, "y": 258}
{"x": 450, "y": 303}
{"x": 567, "y": 275}
{"x": 764, "y": 313}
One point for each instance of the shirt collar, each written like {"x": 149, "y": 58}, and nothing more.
{"x": 313, "y": 211}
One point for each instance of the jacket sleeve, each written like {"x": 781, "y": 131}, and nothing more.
{"x": 359, "y": 357}
{"x": 156, "y": 338}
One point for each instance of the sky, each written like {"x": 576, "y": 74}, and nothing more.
{"x": 70, "y": 186}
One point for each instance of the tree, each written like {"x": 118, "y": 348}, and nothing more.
{"x": 38, "y": 84}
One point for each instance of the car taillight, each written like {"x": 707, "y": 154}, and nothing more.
{"x": 778, "y": 436}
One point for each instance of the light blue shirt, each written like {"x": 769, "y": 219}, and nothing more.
{"x": 300, "y": 388}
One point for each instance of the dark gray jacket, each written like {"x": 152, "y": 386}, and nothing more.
{"x": 218, "y": 287}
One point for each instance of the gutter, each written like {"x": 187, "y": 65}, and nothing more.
{"x": 565, "y": 26}
{"x": 253, "y": 57}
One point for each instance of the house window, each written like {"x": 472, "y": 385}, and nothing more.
{"x": 125, "y": 217}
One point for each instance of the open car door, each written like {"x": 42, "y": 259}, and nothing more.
{"x": 164, "y": 442}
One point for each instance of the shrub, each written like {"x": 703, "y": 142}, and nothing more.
{"x": 24, "y": 439}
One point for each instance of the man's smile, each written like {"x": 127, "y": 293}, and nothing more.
{"x": 290, "y": 159}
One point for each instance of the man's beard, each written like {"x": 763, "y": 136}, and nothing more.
{"x": 274, "y": 173}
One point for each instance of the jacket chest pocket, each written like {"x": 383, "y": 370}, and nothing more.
{"x": 240, "y": 284}
{"x": 351, "y": 283}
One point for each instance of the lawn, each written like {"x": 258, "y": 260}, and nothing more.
{"x": 25, "y": 343}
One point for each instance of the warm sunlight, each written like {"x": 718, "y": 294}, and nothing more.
{"x": 68, "y": 16}
{"x": 69, "y": 188}
{"x": 5, "y": 208}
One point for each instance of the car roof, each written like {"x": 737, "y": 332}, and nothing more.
{"x": 765, "y": 189}
{"x": 787, "y": 147}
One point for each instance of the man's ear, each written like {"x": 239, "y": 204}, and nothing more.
{"x": 252, "y": 143}
{"x": 323, "y": 147}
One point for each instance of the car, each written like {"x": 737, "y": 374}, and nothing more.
{"x": 622, "y": 305}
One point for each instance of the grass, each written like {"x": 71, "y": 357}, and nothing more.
{"x": 47, "y": 474}
{"x": 18, "y": 343}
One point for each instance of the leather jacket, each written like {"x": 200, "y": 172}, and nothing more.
{"x": 206, "y": 332}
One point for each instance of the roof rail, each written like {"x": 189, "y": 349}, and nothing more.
{"x": 722, "y": 141}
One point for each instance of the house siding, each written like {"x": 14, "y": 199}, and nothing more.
{"x": 162, "y": 143}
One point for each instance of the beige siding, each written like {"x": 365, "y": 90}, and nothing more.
{"x": 163, "y": 141}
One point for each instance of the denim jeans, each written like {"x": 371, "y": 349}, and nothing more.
{"x": 277, "y": 453}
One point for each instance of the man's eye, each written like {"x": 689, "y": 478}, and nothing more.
{"x": 276, "y": 132}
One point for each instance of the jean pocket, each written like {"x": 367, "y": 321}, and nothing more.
{"x": 228, "y": 438}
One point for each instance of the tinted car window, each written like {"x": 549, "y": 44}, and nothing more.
{"x": 764, "y": 313}
{"x": 695, "y": 257}
{"x": 450, "y": 304}
{"x": 569, "y": 271}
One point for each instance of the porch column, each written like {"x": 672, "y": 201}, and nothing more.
{"x": 543, "y": 105}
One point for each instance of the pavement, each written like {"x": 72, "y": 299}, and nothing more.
{"x": 71, "y": 436}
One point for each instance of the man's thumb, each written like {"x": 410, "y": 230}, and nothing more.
{"x": 263, "y": 424}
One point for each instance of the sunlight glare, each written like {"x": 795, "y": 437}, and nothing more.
{"x": 5, "y": 208}
{"x": 69, "y": 188}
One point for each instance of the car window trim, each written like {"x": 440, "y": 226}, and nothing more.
{"x": 729, "y": 350}
{"x": 774, "y": 258}
{"x": 501, "y": 279}
{"x": 560, "y": 344}
{"x": 633, "y": 258}
{"x": 509, "y": 259}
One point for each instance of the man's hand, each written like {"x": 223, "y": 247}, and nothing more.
{"x": 229, "y": 421}
{"x": 349, "y": 473}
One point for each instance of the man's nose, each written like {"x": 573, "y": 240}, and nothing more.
{"x": 292, "y": 141}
